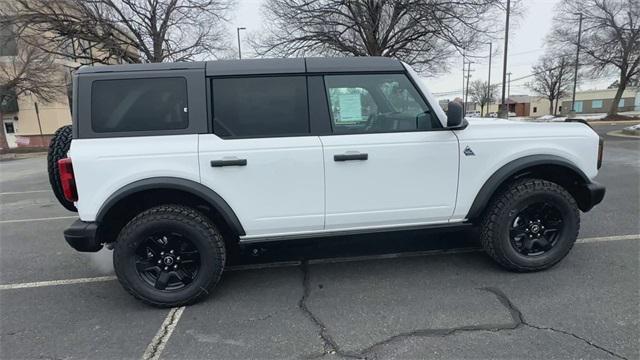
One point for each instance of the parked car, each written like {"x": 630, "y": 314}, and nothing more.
{"x": 473, "y": 113}
{"x": 171, "y": 165}
{"x": 493, "y": 114}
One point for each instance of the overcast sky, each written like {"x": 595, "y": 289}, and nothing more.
{"x": 526, "y": 45}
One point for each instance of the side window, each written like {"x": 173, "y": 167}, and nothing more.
{"x": 139, "y": 105}
{"x": 376, "y": 103}
{"x": 260, "y": 106}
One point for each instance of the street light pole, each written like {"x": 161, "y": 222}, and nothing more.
{"x": 239, "y": 48}
{"x": 504, "y": 112}
{"x": 489, "y": 77}
{"x": 508, "y": 91}
{"x": 575, "y": 74}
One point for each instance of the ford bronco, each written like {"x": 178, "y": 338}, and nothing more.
{"x": 170, "y": 164}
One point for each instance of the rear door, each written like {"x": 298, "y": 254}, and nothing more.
{"x": 261, "y": 157}
{"x": 388, "y": 161}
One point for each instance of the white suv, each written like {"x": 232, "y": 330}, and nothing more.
{"x": 170, "y": 164}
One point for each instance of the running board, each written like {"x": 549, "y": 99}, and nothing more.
{"x": 325, "y": 234}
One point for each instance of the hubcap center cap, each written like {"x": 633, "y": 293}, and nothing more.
{"x": 535, "y": 229}
{"x": 168, "y": 260}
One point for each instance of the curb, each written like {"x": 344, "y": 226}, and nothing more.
{"x": 619, "y": 133}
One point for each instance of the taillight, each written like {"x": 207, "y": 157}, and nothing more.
{"x": 600, "y": 152}
{"x": 67, "y": 179}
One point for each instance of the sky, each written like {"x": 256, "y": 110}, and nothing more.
{"x": 526, "y": 45}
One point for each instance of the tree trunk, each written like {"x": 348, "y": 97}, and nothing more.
{"x": 481, "y": 110}
{"x": 551, "y": 112}
{"x": 555, "y": 109}
{"x": 613, "y": 110}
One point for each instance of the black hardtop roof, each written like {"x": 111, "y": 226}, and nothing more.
{"x": 263, "y": 66}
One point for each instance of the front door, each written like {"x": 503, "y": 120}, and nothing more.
{"x": 262, "y": 158}
{"x": 10, "y": 132}
{"x": 388, "y": 161}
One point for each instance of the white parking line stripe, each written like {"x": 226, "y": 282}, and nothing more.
{"x": 155, "y": 348}
{"x": 314, "y": 261}
{"x": 608, "y": 238}
{"x": 38, "y": 219}
{"x": 23, "y": 192}
{"x": 56, "y": 282}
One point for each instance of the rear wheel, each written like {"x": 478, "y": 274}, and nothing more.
{"x": 531, "y": 225}
{"x": 58, "y": 149}
{"x": 170, "y": 255}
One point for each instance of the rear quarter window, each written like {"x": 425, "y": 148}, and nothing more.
{"x": 269, "y": 106}
{"x": 150, "y": 104}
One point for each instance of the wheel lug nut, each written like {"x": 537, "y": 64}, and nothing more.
{"x": 159, "y": 261}
{"x": 166, "y": 268}
{"x": 175, "y": 266}
{"x": 162, "y": 253}
{"x": 171, "y": 251}
{"x": 178, "y": 258}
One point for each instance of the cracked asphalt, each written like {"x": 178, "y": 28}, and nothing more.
{"x": 406, "y": 295}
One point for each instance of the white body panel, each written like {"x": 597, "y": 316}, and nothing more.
{"x": 408, "y": 178}
{"x": 103, "y": 166}
{"x": 280, "y": 190}
{"x": 497, "y": 142}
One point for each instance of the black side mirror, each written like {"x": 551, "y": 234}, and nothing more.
{"x": 455, "y": 115}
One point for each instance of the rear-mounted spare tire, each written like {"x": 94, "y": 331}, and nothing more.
{"x": 58, "y": 148}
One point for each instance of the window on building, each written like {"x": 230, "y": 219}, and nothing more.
{"x": 376, "y": 103}
{"x": 535, "y": 109}
{"x": 560, "y": 108}
{"x": 260, "y": 106}
{"x": 578, "y": 106}
{"x": 596, "y": 104}
{"x": 139, "y": 105}
{"x": 8, "y": 44}
{"x": 621, "y": 103}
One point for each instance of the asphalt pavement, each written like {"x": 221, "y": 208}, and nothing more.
{"x": 403, "y": 295}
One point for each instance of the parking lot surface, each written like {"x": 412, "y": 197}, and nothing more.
{"x": 402, "y": 295}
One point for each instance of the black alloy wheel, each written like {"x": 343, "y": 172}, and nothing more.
{"x": 168, "y": 261}
{"x": 536, "y": 229}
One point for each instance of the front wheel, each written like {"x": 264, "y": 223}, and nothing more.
{"x": 170, "y": 255}
{"x": 531, "y": 225}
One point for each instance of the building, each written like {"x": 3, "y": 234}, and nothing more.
{"x": 599, "y": 101}
{"x": 28, "y": 121}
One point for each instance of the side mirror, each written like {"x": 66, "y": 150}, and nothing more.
{"x": 455, "y": 115}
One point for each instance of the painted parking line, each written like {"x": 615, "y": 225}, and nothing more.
{"x": 56, "y": 282}
{"x": 313, "y": 261}
{"x": 24, "y": 192}
{"x": 38, "y": 219}
{"x": 155, "y": 348}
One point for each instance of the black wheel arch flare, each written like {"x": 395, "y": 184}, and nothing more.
{"x": 174, "y": 183}
{"x": 520, "y": 167}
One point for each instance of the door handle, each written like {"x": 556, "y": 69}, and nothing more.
{"x": 229, "y": 162}
{"x": 350, "y": 157}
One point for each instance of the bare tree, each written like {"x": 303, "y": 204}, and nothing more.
{"x": 29, "y": 72}
{"x": 424, "y": 33}
{"x": 552, "y": 79}
{"x": 610, "y": 37}
{"x": 482, "y": 94}
{"x": 99, "y": 31}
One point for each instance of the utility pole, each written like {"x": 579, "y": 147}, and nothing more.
{"x": 239, "y": 48}
{"x": 466, "y": 97}
{"x": 489, "y": 77}
{"x": 504, "y": 110}
{"x": 575, "y": 74}
{"x": 463, "y": 76}
{"x": 508, "y": 91}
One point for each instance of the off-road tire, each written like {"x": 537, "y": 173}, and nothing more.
{"x": 497, "y": 219}
{"x": 58, "y": 149}
{"x": 202, "y": 232}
